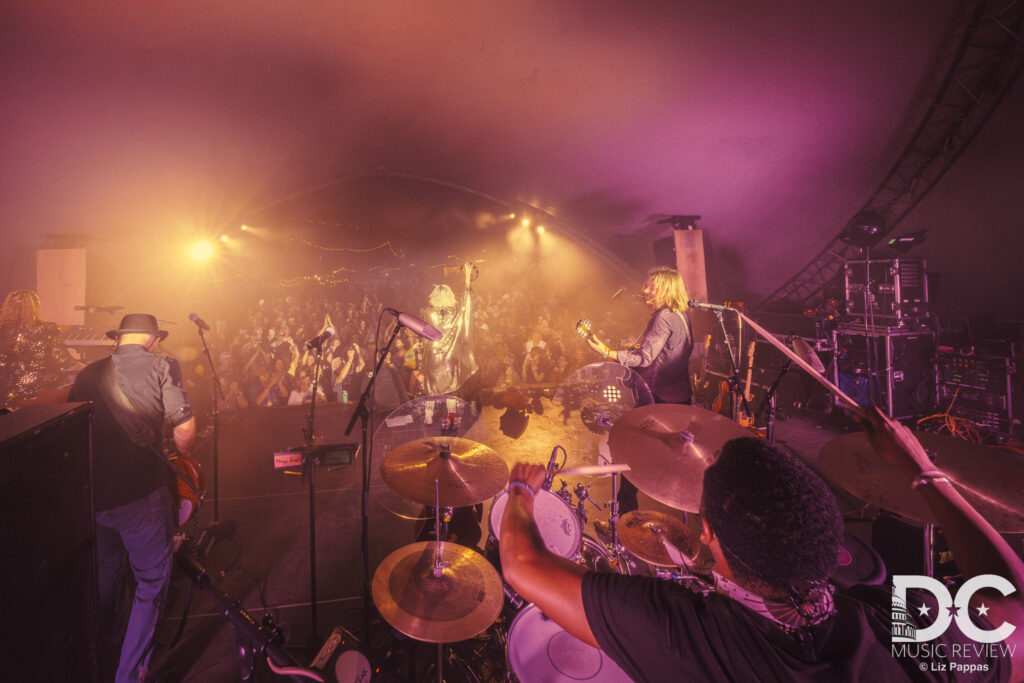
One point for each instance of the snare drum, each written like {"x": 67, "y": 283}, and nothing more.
{"x": 558, "y": 524}
{"x": 540, "y": 650}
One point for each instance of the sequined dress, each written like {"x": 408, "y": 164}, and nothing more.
{"x": 31, "y": 359}
{"x": 449, "y": 362}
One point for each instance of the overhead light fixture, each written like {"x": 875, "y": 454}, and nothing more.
{"x": 864, "y": 230}
{"x": 905, "y": 243}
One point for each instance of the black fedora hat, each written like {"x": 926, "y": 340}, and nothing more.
{"x": 139, "y": 323}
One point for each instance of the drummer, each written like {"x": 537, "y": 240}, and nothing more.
{"x": 773, "y": 528}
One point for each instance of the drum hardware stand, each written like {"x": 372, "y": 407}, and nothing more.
{"x": 364, "y": 413}
{"x": 254, "y": 639}
{"x": 582, "y": 495}
{"x": 734, "y": 382}
{"x": 768, "y": 403}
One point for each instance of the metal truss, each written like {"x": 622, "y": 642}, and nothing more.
{"x": 977, "y": 64}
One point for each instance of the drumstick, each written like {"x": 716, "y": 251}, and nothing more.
{"x": 594, "y": 470}
{"x": 674, "y": 553}
{"x": 799, "y": 361}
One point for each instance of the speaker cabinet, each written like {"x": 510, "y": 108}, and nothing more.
{"x": 48, "y": 572}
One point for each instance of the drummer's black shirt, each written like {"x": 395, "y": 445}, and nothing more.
{"x": 659, "y": 631}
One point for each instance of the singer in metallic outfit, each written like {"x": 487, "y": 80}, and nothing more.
{"x": 662, "y": 358}
{"x": 449, "y": 363}
{"x": 32, "y": 351}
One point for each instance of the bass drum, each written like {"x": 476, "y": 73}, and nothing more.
{"x": 540, "y": 650}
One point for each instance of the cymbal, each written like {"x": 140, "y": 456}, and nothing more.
{"x": 641, "y": 531}
{"x": 807, "y": 354}
{"x": 668, "y": 447}
{"x": 467, "y": 472}
{"x": 991, "y": 479}
{"x": 459, "y": 604}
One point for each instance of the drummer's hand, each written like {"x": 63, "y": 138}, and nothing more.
{"x": 533, "y": 475}
{"x": 893, "y": 441}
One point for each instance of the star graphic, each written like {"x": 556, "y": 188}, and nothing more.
{"x": 923, "y": 611}
{"x": 954, "y": 611}
{"x": 983, "y": 610}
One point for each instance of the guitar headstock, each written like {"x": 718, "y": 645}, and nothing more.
{"x": 584, "y": 328}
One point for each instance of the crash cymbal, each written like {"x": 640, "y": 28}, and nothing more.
{"x": 460, "y": 603}
{"x": 807, "y": 354}
{"x": 668, "y": 447}
{"x": 991, "y": 479}
{"x": 467, "y": 472}
{"x": 641, "y": 531}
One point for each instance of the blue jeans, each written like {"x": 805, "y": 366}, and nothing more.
{"x": 142, "y": 529}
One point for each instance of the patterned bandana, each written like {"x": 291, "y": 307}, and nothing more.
{"x": 794, "y": 615}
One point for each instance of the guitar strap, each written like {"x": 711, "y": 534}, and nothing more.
{"x": 131, "y": 421}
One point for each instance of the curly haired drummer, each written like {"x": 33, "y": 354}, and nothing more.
{"x": 773, "y": 527}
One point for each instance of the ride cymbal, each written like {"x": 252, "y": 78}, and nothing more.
{"x": 668, "y": 447}
{"x": 991, "y": 479}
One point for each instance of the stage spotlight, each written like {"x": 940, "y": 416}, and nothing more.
{"x": 244, "y": 228}
{"x": 201, "y": 251}
{"x": 526, "y": 222}
{"x": 541, "y": 230}
{"x": 224, "y": 238}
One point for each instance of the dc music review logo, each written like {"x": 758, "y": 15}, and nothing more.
{"x": 950, "y": 608}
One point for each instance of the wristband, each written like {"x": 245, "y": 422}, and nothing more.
{"x": 607, "y": 351}
{"x": 929, "y": 477}
{"x": 522, "y": 486}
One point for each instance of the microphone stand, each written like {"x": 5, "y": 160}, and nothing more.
{"x": 364, "y": 414}
{"x": 734, "y": 381}
{"x": 309, "y": 475}
{"x": 216, "y": 529}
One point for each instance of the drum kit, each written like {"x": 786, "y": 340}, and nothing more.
{"x": 442, "y": 592}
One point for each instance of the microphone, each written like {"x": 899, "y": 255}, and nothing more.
{"x": 200, "y": 323}
{"x": 552, "y": 468}
{"x": 420, "y": 327}
{"x": 693, "y": 303}
{"x": 318, "y": 341}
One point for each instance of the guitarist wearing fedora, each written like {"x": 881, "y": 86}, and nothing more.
{"x": 133, "y": 392}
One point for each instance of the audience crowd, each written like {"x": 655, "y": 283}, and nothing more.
{"x": 520, "y": 337}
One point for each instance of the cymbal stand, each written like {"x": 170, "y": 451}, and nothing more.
{"x": 613, "y": 517}
{"x": 439, "y": 567}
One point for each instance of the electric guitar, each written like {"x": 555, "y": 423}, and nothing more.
{"x": 744, "y": 419}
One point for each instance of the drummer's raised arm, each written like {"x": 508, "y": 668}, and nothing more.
{"x": 553, "y": 583}
{"x": 976, "y": 545}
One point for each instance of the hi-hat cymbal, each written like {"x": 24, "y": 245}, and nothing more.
{"x": 668, "y": 447}
{"x": 991, "y": 479}
{"x": 460, "y": 603}
{"x": 467, "y": 472}
{"x": 642, "y": 531}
